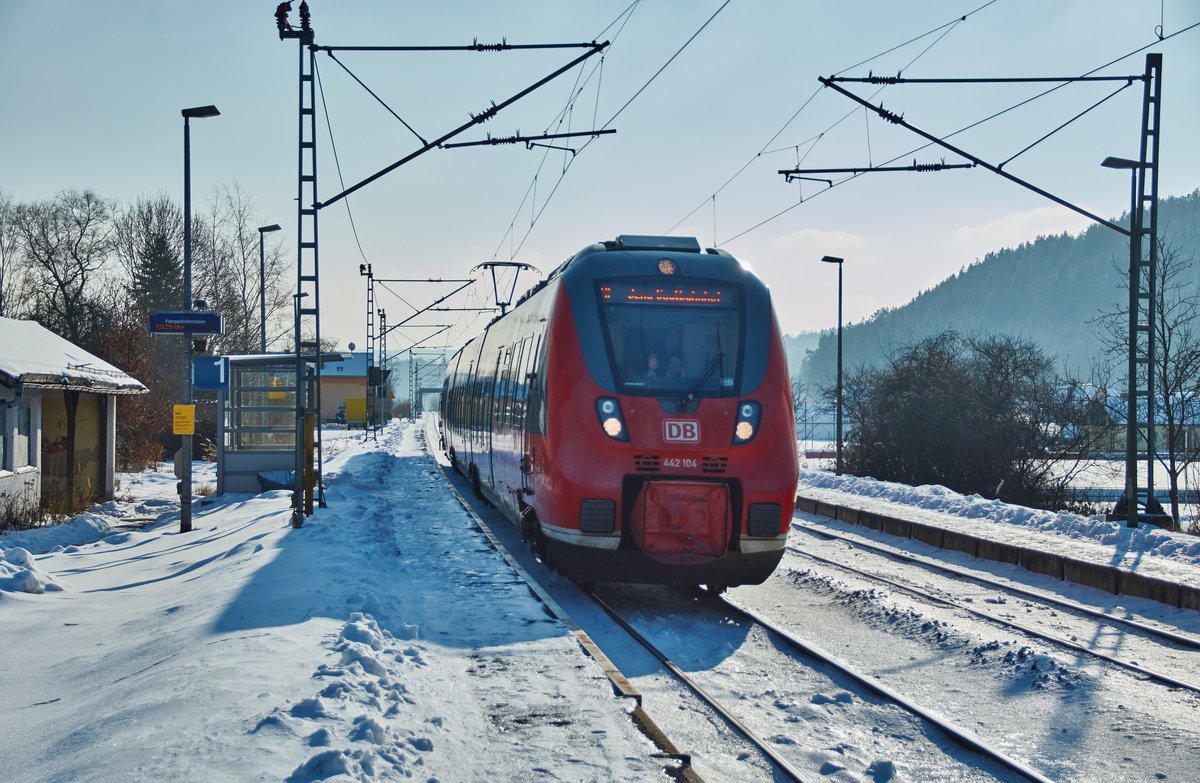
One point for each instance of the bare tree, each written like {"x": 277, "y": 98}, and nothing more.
{"x": 226, "y": 272}
{"x": 13, "y": 274}
{"x": 805, "y": 409}
{"x": 1177, "y": 362}
{"x": 66, "y": 242}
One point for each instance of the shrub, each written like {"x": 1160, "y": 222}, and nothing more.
{"x": 20, "y": 510}
{"x": 977, "y": 415}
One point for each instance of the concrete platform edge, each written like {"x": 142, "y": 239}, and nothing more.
{"x": 1117, "y": 581}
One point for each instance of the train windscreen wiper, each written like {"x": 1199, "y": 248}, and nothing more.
{"x": 718, "y": 360}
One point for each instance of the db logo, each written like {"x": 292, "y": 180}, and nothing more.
{"x": 677, "y": 431}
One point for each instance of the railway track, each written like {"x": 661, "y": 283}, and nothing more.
{"x": 785, "y": 768}
{"x": 738, "y": 676}
{"x": 1183, "y": 640}
{"x": 763, "y": 746}
{"x": 810, "y": 651}
{"x": 1171, "y": 637}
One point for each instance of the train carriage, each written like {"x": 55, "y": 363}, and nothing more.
{"x": 632, "y": 415}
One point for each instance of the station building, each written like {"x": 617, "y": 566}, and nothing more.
{"x": 58, "y": 417}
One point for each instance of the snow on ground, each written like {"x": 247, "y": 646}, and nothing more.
{"x": 1145, "y": 549}
{"x": 384, "y": 640}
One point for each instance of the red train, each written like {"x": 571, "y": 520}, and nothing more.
{"x": 632, "y": 414}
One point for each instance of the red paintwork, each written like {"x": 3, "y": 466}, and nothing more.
{"x": 576, "y": 460}
{"x": 682, "y": 521}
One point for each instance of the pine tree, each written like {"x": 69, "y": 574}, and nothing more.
{"x": 157, "y": 278}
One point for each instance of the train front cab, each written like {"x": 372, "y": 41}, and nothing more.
{"x": 669, "y": 454}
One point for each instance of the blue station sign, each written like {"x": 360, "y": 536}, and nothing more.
{"x": 210, "y": 373}
{"x": 184, "y": 322}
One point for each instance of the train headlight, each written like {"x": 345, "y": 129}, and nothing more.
{"x": 611, "y": 420}
{"x": 749, "y": 414}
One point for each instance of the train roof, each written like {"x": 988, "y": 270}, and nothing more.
{"x": 627, "y": 243}
{"x": 630, "y": 242}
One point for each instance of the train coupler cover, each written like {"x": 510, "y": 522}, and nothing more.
{"x": 682, "y": 522}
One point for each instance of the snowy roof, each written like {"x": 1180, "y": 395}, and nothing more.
{"x": 33, "y": 355}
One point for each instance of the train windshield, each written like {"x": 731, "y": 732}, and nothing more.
{"x": 672, "y": 339}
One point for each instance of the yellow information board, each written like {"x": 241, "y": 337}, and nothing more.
{"x": 356, "y": 409}
{"x": 184, "y": 420}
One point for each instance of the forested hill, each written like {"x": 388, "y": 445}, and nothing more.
{"x": 1049, "y": 290}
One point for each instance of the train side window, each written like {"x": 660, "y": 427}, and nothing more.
{"x": 493, "y": 390}
{"x": 535, "y": 377}
{"x": 466, "y": 397}
{"x": 518, "y": 386}
{"x": 541, "y": 372}
{"x": 505, "y": 396}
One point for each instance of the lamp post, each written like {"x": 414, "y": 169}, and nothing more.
{"x": 1135, "y": 258}
{"x": 838, "y": 462}
{"x": 185, "y": 484}
{"x": 262, "y": 284}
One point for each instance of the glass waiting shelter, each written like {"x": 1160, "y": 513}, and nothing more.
{"x": 256, "y": 422}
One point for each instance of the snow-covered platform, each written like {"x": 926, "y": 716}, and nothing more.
{"x": 384, "y": 640}
{"x": 1146, "y": 561}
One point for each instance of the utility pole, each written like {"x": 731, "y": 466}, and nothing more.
{"x": 1142, "y": 263}
{"x": 309, "y": 205}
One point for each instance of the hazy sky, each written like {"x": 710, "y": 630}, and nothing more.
{"x": 92, "y": 91}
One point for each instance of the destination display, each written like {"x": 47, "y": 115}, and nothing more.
{"x": 184, "y": 322}
{"x": 656, "y": 293}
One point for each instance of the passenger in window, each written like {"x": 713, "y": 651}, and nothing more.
{"x": 652, "y": 366}
{"x": 675, "y": 368}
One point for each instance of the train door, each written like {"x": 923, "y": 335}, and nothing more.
{"x": 466, "y": 415}
{"x": 448, "y": 419}
{"x": 476, "y": 402}
{"x": 493, "y": 421}
{"x": 528, "y": 386}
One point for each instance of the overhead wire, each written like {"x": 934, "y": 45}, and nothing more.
{"x": 402, "y": 121}
{"x": 944, "y": 29}
{"x": 965, "y": 128}
{"x": 951, "y": 23}
{"x": 670, "y": 60}
{"x": 1058, "y": 87}
{"x": 618, "y": 113}
{"x": 576, "y": 90}
{"x": 336, "y": 161}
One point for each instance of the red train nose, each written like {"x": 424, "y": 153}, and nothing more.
{"x": 682, "y": 521}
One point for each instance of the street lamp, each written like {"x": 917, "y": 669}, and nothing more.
{"x": 185, "y": 484}
{"x": 262, "y": 283}
{"x": 1135, "y": 259}
{"x": 838, "y": 462}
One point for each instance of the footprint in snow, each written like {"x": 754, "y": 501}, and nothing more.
{"x": 882, "y": 771}
{"x": 309, "y": 708}
{"x": 841, "y": 697}
{"x": 367, "y": 729}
